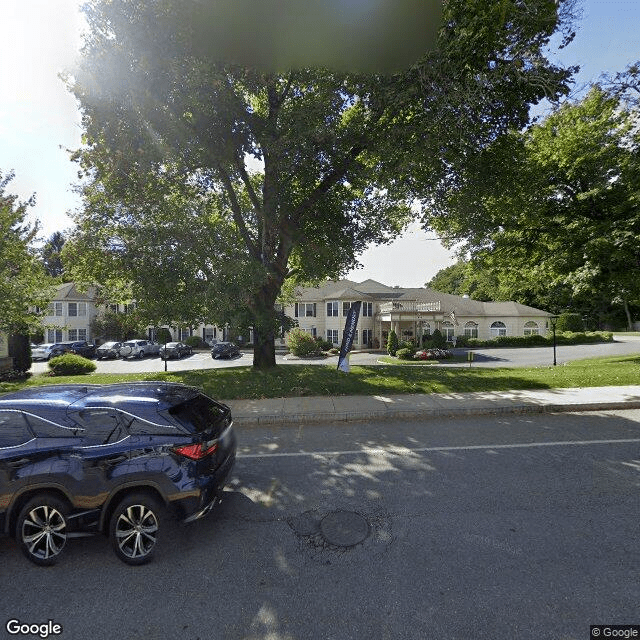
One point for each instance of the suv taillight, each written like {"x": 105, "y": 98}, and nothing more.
{"x": 196, "y": 451}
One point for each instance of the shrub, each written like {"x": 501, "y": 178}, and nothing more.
{"x": 438, "y": 341}
{"x": 405, "y": 354}
{"x": 302, "y": 344}
{"x": 392, "y": 343}
{"x": 196, "y": 342}
{"x": 569, "y": 322}
{"x": 163, "y": 335}
{"x": 71, "y": 364}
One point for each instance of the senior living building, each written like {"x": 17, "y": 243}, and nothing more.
{"x": 411, "y": 313}
{"x": 322, "y": 310}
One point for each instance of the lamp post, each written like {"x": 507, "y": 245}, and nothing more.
{"x": 554, "y": 320}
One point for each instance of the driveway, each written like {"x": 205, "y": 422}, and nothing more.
{"x": 502, "y": 357}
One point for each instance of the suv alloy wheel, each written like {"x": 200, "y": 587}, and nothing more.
{"x": 134, "y": 528}
{"x": 41, "y": 529}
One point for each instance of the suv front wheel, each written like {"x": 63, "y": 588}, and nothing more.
{"x": 134, "y": 528}
{"x": 41, "y": 529}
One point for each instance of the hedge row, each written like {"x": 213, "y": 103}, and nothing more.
{"x": 562, "y": 337}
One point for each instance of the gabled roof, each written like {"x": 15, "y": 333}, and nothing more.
{"x": 68, "y": 291}
{"x": 372, "y": 290}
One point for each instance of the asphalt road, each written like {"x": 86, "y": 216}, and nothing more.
{"x": 483, "y": 528}
{"x": 503, "y": 357}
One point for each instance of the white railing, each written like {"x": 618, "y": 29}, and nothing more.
{"x": 409, "y": 306}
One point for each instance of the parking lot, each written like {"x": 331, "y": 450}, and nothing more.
{"x": 502, "y": 357}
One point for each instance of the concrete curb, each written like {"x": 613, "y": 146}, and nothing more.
{"x": 419, "y": 406}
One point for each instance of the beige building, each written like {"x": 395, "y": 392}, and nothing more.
{"x": 322, "y": 311}
{"x": 68, "y": 316}
{"x": 411, "y": 313}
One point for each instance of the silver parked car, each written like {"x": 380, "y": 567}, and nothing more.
{"x": 108, "y": 350}
{"x": 139, "y": 349}
{"x": 43, "y": 351}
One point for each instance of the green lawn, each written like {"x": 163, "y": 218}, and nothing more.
{"x": 309, "y": 380}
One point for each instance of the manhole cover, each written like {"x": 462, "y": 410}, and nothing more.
{"x": 344, "y": 528}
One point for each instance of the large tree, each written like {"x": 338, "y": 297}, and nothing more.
{"x": 553, "y": 211}
{"x": 51, "y": 255}
{"x": 243, "y": 177}
{"x": 22, "y": 279}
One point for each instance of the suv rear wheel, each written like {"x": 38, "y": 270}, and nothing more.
{"x": 41, "y": 529}
{"x": 134, "y": 528}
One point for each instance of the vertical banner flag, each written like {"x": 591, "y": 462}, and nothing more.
{"x": 348, "y": 335}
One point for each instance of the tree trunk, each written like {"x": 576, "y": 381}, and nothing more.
{"x": 264, "y": 325}
{"x": 264, "y": 349}
{"x": 628, "y": 314}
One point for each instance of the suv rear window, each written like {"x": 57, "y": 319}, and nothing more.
{"x": 13, "y": 429}
{"x": 199, "y": 414}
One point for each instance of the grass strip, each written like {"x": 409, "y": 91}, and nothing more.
{"x": 319, "y": 380}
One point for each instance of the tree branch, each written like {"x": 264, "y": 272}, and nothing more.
{"x": 236, "y": 211}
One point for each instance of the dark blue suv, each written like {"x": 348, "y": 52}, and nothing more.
{"x": 113, "y": 459}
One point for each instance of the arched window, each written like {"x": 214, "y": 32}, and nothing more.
{"x": 498, "y": 328}
{"x": 471, "y": 330}
{"x": 531, "y": 328}
{"x": 448, "y": 330}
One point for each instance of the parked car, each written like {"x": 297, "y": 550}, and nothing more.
{"x": 108, "y": 350}
{"x": 112, "y": 459}
{"x": 175, "y": 350}
{"x": 81, "y": 347}
{"x": 225, "y": 350}
{"x": 43, "y": 351}
{"x": 139, "y": 349}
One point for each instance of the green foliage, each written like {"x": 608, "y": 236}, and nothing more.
{"x": 325, "y": 345}
{"x": 568, "y": 337}
{"x": 163, "y": 335}
{"x": 302, "y": 343}
{"x": 71, "y": 364}
{"x": 437, "y": 340}
{"x": 196, "y": 342}
{"x": 467, "y": 277}
{"x": 23, "y": 283}
{"x": 176, "y": 212}
{"x": 569, "y": 322}
{"x": 392, "y": 343}
{"x": 51, "y": 255}
{"x": 551, "y": 212}
{"x": 110, "y": 325}
{"x": 405, "y": 353}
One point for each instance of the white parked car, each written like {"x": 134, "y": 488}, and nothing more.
{"x": 42, "y": 351}
{"x": 139, "y": 349}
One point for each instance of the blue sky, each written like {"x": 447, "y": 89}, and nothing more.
{"x": 39, "y": 120}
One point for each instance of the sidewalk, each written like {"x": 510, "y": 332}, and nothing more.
{"x": 346, "y": 408}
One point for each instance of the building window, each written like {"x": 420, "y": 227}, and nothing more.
{"x": 208, "y": 334}
{"x": 54, "y": 335}
{"x": 367, "y": 338}
{"x": 498, "y": 329}
{"x": 471, "y": 330}
{"x": 332, "y": 336}
{"x": 77, "y": 334}
{"x": 448, "y": 331}
{"x": 345, "y": 308}
{"x": 184, "y": 333}
{"x": 129, "y": 307}
{"x": 367, "y": 309}
{"x": 332, "y": 308}
{"x": 55, "y": 309}
{"x": 305, "y": 310}
{"x": 77, "y": 309}
{"x": 531, "y": 328}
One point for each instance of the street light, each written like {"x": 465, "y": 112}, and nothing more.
{"x": 554, "y": 320}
